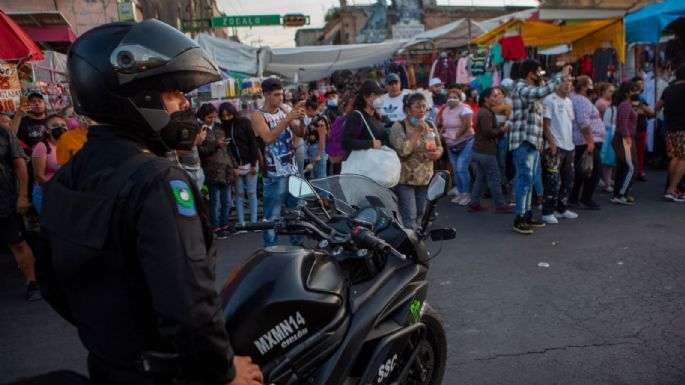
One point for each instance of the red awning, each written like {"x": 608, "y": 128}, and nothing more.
{"x": 55, "y": 34}
{"x": 15, "y": 43}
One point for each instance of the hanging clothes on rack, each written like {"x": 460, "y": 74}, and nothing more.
{"x": 478, "y": 62}
{"x": 513, "y": 48}
{"x": 444, "y": 69}
{"x": 462, "y": 71}
{"x": 604, "y": 61}
{"x": 586, "y": 67}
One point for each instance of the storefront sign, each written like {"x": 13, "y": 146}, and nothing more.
{"x": 406, "y": 31}
{"x": 10, "y": 89}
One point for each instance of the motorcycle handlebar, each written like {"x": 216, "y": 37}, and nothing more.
{"x": 369, "y": 240}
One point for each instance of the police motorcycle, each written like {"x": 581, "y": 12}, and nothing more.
{"x": 352, "y": 309}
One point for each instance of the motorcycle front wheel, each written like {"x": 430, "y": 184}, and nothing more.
{"x": 429, "y": 367}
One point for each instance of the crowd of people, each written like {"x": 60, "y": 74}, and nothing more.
{"x": 539, "y": 141}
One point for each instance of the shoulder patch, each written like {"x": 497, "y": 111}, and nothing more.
{"x": 183, "y": 195}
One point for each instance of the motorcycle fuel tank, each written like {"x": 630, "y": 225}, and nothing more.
{"x": 283, "y": 302}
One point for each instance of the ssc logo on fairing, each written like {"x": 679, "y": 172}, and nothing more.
{"x": 387, "y": 368}
{"x": 284, "y": 334}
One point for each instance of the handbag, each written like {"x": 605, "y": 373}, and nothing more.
{"x": 586, "y": 164}
{"x": 382, "y": 165}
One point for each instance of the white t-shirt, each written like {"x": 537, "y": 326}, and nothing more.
{"x": 560, "y": 111}
{"x": 393, "y": 108}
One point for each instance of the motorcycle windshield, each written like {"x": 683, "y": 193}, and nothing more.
{"x": 354, "y": 192}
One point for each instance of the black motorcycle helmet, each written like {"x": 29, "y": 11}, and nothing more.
{"x": 117, "y": 72}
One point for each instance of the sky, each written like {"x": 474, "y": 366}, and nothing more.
{"x": 280, "y": 37}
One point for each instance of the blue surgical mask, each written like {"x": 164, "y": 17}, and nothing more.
{"x": 333, "y": 103}
{"x": 443, "y": 92}
{"x": 414, "y": 121}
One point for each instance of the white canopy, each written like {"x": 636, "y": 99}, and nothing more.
{"x": 233, "y": 56}
{"x": 317, "y": 62}
{"x": 455, "y": 34}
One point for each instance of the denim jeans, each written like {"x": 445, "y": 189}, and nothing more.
{"x": 526, "y": 159}
{"x": 412, "y": 201}
{"x": 558, "y": 176}
{"x": 219, "y": 205}
{"x": 460, "y": 163}
{"x": 538, "y": 185}
{"x": 300, "y": 155}
{"x": 502, "y": 152}
{"x": 320, "y": 168}
{"x": 246, "y": 184}
{"x": 487, "y": 167}
{"x": 275, "y": 197}
{"x": 37, "y": 197}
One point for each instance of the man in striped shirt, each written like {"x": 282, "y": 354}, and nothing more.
{"x": 525, "y": 137}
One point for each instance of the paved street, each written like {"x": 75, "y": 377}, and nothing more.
{"x": 609, "y": 308}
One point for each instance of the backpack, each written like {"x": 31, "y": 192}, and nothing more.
{"x": 334, "y": 149}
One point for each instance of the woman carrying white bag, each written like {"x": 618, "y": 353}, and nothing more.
{"x": 365, "y": 136}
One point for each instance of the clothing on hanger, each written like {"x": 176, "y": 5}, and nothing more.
{"x": 604, "y": 60}
{"x": 513, "y": 48}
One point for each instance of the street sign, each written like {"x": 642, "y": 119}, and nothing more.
{"x": 245, "y": 21}
{"x": 295, "y": 20}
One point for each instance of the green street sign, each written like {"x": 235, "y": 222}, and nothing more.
{"x": 245, "y": 21}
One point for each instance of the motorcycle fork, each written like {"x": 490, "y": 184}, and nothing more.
{"x": 412, "y": 357}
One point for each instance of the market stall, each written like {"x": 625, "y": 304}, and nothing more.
{"x": 16, "y": 47}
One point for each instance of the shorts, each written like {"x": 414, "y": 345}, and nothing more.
{"x": 12, "y": 229}
{"x": 675, "y": 144}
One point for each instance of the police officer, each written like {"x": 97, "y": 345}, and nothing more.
{"x": 128, "y": 254}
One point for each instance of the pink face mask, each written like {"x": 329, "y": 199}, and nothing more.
{"x": 73, "y": 123}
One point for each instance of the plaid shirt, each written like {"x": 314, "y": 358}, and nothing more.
{"x": 527, "y": 112}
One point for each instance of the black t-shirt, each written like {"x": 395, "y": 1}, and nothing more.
{"x": 9, "y": 151}
{"x": 355, "y": 134}
{"x": 31, "y": 130}
{"x": 674, "y": 107}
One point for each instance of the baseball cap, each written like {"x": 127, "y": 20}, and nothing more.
{"x": 434, "y": 82}
{"x": 370, "y": 87}
{"x": 34, "y": 94}
{"x": 391, "y": 77}
{"x": 507, "y": 83}
{"x": 271, "y": 84}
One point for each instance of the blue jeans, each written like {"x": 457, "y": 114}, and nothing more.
{"x": 319, "y": 167}
{"x": 487, "y": 167}
{"x": 37, "y": 197}
{"x": 300, "y": 154}
{"x": 502, "y": 151}
{"x": 538, "y": 185}
{"x": 275, "y": 197}
{"x": 526, "y": 160}
{"x": 246, "y": 184}
{"x": 219, "y": 205}
{"x": 460, "y": 163}
{"x": 412, "y": 202}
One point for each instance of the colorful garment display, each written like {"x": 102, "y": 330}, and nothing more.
{"x": 513, "y": 48}
{"x": 444, "y": 69}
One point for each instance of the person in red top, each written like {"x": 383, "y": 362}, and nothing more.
{"x": 623, "y": 144}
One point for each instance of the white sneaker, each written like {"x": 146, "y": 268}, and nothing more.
{"x": 550, "y": 219}
{"x": 568, "y": 214}
{"x": 464, "y": 200}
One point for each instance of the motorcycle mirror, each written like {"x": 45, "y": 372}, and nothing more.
{"x": 443, "y": 234}
{"x": 300, "y": 188}
{"x": 438, "y": 186}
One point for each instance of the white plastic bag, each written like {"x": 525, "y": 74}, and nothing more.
{"x": 381, "y": 164}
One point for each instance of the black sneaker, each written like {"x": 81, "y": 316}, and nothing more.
{"x": 641, "y": 178}
{"x": 533, "y": 222}
{"x": 521, "y": 225}
{"x": 591, "y": 205}
{"x": 33, "y": 292}
{"x": 220, "y": 233}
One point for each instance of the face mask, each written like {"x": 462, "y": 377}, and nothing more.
{"x": 590, "y": 91}
{"x": 180, "y": 132}
{"x": 73, "y": 123}
{"x": 538, "y": 80}
{"x": 333, "y": 103}
{"x": 57, "y": 132}
{"x": 443, "y": 92}
{"x": 378, "y": 103}
{"x": 635, "y": 98}
{"x": 452, "y": 102}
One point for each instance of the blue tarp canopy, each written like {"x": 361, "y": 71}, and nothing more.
{"x": 646, "y": 24}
